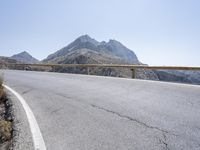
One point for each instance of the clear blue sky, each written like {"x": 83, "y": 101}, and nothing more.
{"x": 160, "y": 32}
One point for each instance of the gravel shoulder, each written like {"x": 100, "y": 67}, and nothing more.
{"x": 22, "y": 139}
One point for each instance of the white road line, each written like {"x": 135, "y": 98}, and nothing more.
{"x": 35, "y": 130}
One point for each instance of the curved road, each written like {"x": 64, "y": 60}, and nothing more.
{"x": 79, "y": 112}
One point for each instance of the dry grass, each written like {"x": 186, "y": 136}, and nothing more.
{"x": 5, "y": 130}
{"x": 5, "y": 126}
{"x": 1, "y": 93}
{"x": 1, "y": 87}
{"x": 1, "y": 80}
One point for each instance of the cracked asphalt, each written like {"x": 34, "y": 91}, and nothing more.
{"x": 79, "y": 112}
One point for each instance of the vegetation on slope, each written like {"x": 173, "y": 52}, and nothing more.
{"x": 5, "y": 120}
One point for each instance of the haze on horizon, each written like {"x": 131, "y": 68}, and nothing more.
{"x": 160, "y": 32}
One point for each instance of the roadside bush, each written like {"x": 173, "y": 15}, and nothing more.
{"x": 1, "y": 80}
{"x": 1, "y": 87}
{"x": 5, "y": 130}
{"x": 5, "y": 121}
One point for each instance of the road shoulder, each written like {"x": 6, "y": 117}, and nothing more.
{"x": 22, "y": 134}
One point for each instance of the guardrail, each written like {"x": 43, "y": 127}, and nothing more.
{"x": 88, "y": 66}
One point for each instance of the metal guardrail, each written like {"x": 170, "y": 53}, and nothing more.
{"x": 131, "y": 67}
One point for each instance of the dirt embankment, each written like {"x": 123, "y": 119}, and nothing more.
{"x": 6, "y": 120}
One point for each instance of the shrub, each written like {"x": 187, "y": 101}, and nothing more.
{"x": 5, "y": 130}
{"x": 1, "y": 80}
{"x": 1, "y": 87}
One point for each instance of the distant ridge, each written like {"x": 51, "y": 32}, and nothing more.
{"x": 25, "y": 57}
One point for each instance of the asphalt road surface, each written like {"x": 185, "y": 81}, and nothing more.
{"x": 80, "y": 112}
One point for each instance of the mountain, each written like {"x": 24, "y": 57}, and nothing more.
{"x": 4, "y": 60}
{"x": 25, "y": 57}
{"x": 86, "y": 46}
{"x": 85, "y": 50}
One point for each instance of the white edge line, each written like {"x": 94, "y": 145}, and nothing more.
{"x": 35, "y": 130}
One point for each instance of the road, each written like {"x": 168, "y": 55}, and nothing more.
{"x": 80, "y": 112}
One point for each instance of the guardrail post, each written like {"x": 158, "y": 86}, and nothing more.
{"x": 133, "y": 73}
{"x": 24, "y": 67}
{"x": 88, "y": 70}
{"x": 52, "y": 68}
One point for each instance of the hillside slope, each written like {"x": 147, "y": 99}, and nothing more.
{"x": 192, "y": 77}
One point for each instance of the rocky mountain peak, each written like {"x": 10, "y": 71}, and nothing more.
{"x": 113, "y": 49}
{"x": 113, "y": 41}
{"x": 87, "y": 38}
{"x": 122, "y": 51}
{"x": 24, "y": 57}
{"x": 24, "y": 53}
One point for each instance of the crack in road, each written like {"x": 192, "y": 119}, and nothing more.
{"x": 56, "y": 110}
{"x": 27, "y": 91}
{"x": 62, "y": 95}
{"x": 129, "y": 118}
{"x": 165, "y": 144}
{"x": 162, "y": 141}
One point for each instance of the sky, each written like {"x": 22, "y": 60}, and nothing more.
{"x": 160, "y": 32}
